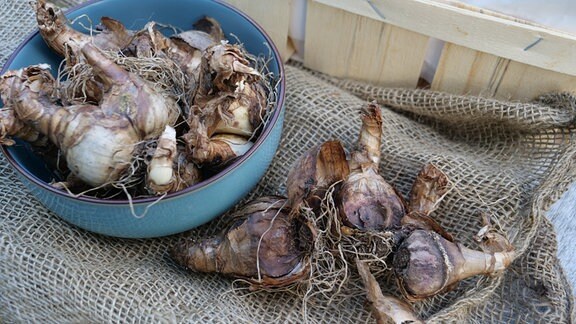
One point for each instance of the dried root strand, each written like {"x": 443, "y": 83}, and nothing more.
{"x": 150, "y": 42}
{"x": 184, "y": 49}
{"x": 81, "y": 85}
{"x": 77, "y": 84}
{"x": 372, "y": 247}
{"x": 330, "y": 274}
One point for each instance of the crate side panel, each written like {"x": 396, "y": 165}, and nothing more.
{"x": 494, "y": 34}
{"x": 465, "y": 71}
{"x": 348, "y": 45}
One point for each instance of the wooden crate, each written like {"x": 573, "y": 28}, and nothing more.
{"x": 386, "y": 42}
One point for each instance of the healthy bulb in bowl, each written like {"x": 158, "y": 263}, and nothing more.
{"x": 123, "y": 93}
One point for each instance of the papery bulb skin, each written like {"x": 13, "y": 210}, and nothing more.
{"x": 314, "y": 173}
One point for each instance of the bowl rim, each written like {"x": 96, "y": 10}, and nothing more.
{"x": 274, "y": 119}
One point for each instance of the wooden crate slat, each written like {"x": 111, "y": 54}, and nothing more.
{"x": 403, "y": 56}
{"x": 327, "y": 42}
{"x": 526, "y": 82}
{"x": 347, "y": 45}
{"x": 465, "y": 71}
{"x": 274, "y": 17}
{"x": 511, "y": 39}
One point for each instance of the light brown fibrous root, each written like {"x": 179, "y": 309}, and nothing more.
{"x": 333, "y": 278}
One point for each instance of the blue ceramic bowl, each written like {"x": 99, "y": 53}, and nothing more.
{"x": 182, "y": 210}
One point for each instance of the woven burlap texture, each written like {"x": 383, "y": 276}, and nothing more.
{"x": 509, "y": 159}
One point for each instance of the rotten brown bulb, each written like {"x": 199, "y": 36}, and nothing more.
{"x": 365, "y": 200}
{"x": 427, "y": 264}
{"x": 263, "y": 245}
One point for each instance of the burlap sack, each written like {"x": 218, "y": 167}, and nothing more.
{"x": 510, "y": 159}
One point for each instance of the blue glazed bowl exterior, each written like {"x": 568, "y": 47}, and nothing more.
{"x": 177, "y": 212}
